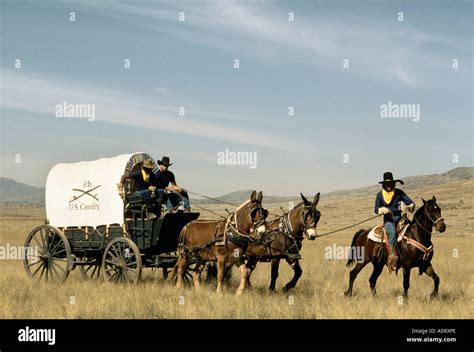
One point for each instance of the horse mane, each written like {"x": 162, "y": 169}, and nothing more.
{"x": 238, "y": 209}
{"x": 419, "y": 212}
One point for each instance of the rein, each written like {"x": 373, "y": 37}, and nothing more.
{"x": 429, "y": 218}
{"x": 426, "y": 250}
{"x": 348, "y": 227}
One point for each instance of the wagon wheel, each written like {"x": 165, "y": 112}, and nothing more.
{"x": 188, "y": 274}
{"x": 47, "y": 254}
{"x": 90, "y": 271}
{"x": 122, "y": 261}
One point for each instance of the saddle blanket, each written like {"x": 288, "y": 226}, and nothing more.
{"x": 376, "y": 233}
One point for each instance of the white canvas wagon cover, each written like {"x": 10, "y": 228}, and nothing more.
{"x": 85, "y": 193}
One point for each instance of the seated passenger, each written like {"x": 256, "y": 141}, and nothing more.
{"x": 177, "y": 196}
{"x": 145, "y": 184}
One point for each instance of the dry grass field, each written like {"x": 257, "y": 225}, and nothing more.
{"x": 318, "y": 294}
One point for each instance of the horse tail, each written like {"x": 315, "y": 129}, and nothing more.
{"x": 182, "y": 239}
{"x": 351, "y": 259}
{"x": 181, "y": 252}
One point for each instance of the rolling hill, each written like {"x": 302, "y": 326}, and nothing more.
{"x": 12, "y": 191}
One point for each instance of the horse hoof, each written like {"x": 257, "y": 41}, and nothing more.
{"x": 348, "y": 294}
{"x": 433, "y": 295}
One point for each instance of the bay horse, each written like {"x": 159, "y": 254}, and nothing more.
{"x": 415, "y": 249}
{"x": 221, "y": 241}
{"x": 283, "y": 240}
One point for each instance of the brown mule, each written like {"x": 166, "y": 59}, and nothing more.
{"x": 223, "y": 241}
{"x": 283, "y": 240}
{"x": 415, "y": 249}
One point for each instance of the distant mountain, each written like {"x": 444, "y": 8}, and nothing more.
{"x": 12, "y": 191}
{"x": 238, "y": 197}
{"x": 16, "y": 192}
{"x": 411, "y": 182}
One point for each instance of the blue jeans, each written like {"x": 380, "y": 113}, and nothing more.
{"x": 144, "y": 193}
{"x": 174, "y": 199}
{"x": 162, "y": 196}
{"x": 392, "y": 233}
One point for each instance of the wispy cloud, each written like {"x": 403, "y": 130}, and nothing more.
{"x": 39, "y": 96}
{"x": 378, "y": 50}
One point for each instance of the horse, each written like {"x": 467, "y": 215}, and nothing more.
{"x": 223, "y": 241}
{"x": 415, "y": 249}
{"x": 283, "y": 240}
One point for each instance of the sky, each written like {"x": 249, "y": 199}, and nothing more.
{"x": 333, "y": 63}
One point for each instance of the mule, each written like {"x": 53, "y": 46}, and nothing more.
{"x": 283, "y": 240}
{"x": 222, "y": 241}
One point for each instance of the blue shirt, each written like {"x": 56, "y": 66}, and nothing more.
{"x": 394, "y": 205}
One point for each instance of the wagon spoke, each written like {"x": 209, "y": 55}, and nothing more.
{"x": 42, "y": 272}
{"x": 95, "y": 271}
{"x": 111, "y": 262}
{"x": 124, "y": 276}
{"x": 130, "y": 257}
{"x": 116, "y": 275}
{"x": 47, "y": 272}
{"x": 56, "y": 253}
{"x": 37, "y": 262}
{"x": 38, "y": 243}
{"x": 55, "y": 246}
{"x": 43, "y": 244}
{"x": 112, "y": 254}
{"x": 47, "y": 238}
{"x": 54, "y": 272}
{"x": 114, "y": 250}
{"x": 59, "y": 266}
{"x": 40, "y": 267}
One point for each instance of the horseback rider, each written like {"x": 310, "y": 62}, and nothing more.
{"x": 167, "y": 182}
{"x": 145, "y": 183}
{"x": 389, "y": 202}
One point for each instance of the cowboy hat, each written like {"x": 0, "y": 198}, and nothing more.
{"x": 388, "y": 177}
{"x": 148, "y": 164}
{"x": 165, "y": 161}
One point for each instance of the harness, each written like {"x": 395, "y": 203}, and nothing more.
{"x": 231, "y": 232}
{"x": 286, "y": 229}
{"x": 426, "y": 250}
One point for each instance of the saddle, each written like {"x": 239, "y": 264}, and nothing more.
{"x": 378, "y": 231}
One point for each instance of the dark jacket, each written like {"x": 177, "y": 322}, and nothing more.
{"x": 394, "y": 205}
{"x": 140, "y": 183}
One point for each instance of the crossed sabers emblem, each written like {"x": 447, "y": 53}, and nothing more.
{"x": 84, "y": 193}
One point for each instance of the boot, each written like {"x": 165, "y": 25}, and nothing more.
{"x": 392, "y": 258}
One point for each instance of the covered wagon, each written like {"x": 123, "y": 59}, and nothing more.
{"x": 91, "y": 227}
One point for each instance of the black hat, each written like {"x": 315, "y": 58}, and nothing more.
{"x": 165, "y": 161}
{"x": 388, "y": 177}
